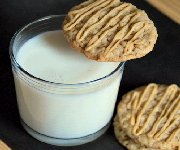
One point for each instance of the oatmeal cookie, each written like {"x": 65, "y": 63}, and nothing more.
{"x": 125, "y": 140}
{"x": 150, "y": 116}
{"x": 109, "y": 30}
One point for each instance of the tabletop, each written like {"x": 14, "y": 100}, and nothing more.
{"x": 160, "y": 66}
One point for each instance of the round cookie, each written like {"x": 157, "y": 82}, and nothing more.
{"x": 110, "y": 30}
{"x": 125, "y": 140}
{"x": 150, "y": 116}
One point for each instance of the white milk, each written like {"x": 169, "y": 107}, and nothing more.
{"x": 61, "y": 115}
{"x": 49, "y": 57}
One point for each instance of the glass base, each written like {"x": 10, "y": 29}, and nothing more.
{"x": 64, "y": 142}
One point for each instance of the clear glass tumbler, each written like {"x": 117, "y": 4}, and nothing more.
{"x": 56, "y": 113}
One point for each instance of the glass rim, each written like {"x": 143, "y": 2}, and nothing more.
{"x": 18, "y": 66}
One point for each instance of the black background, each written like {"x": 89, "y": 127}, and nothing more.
{"x": 160, "y": 66}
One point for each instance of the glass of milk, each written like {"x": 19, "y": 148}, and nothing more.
{"x": 63, "y": 97}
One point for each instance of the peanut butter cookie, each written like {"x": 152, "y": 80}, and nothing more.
{"x": 150, "y": 117}
{"x": 110, "y": 30}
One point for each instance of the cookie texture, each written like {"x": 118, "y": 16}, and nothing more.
{"x": 125, "y": 140}
{"x": 148, "y": 118}
{"x": 110, "y": 30}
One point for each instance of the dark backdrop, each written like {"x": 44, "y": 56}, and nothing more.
{"x": 161, "y": 66}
